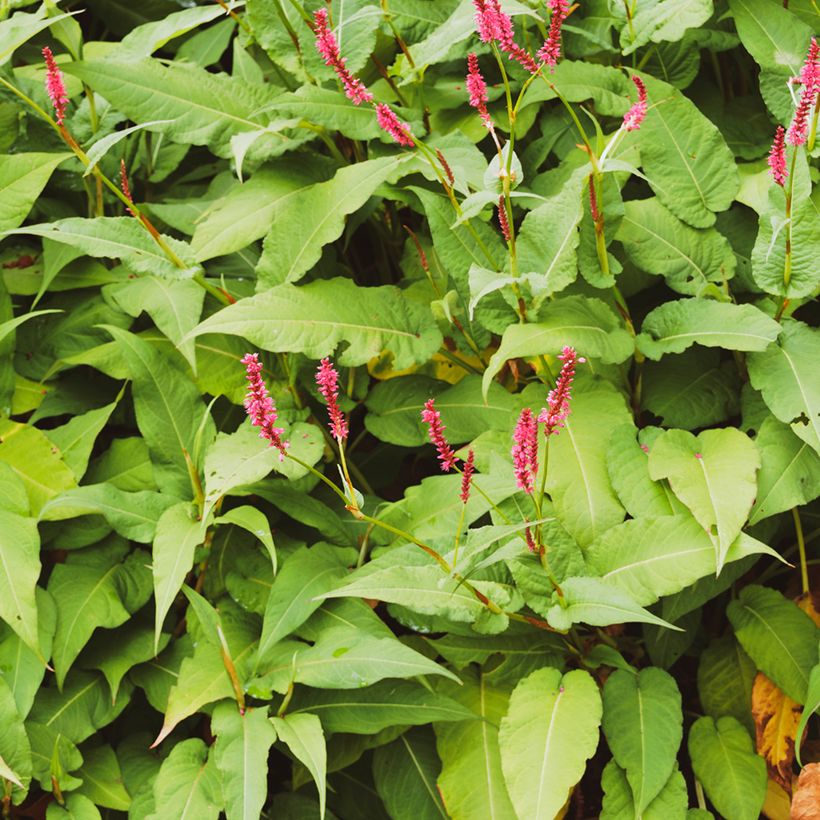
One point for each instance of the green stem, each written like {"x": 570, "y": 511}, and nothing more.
{"x": 801, "y": 548}
{"x": 231, "y": 670}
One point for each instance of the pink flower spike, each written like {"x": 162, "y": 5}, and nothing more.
{"x": 260, "y": 407}
{"x": 503, "y": 222}
{"x": 467, "y": 476}
{"x": 550, "y": 52}
{"x": 634, "y": 117}
{"x": 55, "y": 87}
{"x": 388, "y": 121}
{"x": 478, "y": 90}
{"x": 432, "y": 418}
{"x": 809, "y": 76}
{"x": 555, "y": 413}
{"x": 328, "y": 47}
{"x": 525, "y": 451}
{"x": 327, "y": 380}
{"x": 799, "y": 129}
{"x": 777, "y": 157}
{"x": 493, "y": 24}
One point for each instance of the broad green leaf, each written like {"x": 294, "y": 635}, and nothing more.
{"x": 253, "y": 521}
{"x": 303, "y": 735}
{"x": 619, "y": 804}
{"x": 810, "y": 709}
{"x": 19, "y": 571}
{"x": 597, "y": 602}
{"x": 386, "y": 703}
{"x": 315, "y": 318}
{"x": 296, "y": 593}
{"x": 789, "y": 471}
{"x": 15, "y": 750}
{"x": 178, "y": 534}
{"x": 578, "y": 81}
{"x": 643, "y": 724}
{"x": 118, "y": 237}
{"x": 241, "y": 755}
{"x": 132, "y": 515}
{"x": 193, "y": 105}
{"x": 188, "y": 785}
{"x": 21, "y": 27}
{"x": 658, "y": 242}
{"x": 714, "y": 474}
{"x": 586, "y": 324}
{"x": 674, "y": 326}
{"x": 102, "y": 146}
{"x": 96, "y": 590}
{"x": 102, "y": 778}
{"x": 76, "y": 437}
{"x": 330, "y": 109}
{"x": 144, "y": 40}
{"x": 778, "y": 636}
{"x": 126, "y": 465}
{"x": 725, "y": 678}
{"x": 170, "y": 412}
{"x": 733, "y": 776}
{"x": 470, "y": 746}
{"x": 660, "y": 555}
{"x": 545, "y": 739}
{"x": 405, "y": 773}
{"x": 663, "y": 21}
{"x": 685, "y": 158}
{"x": 77, "y": 807}
{"x": 786, "y": 375}
{"x": 294, "y": 244}
{"x": 53, "y": 755}
{"x": 22, "y": 178}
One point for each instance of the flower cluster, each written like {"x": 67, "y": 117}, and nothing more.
{"x": 389, "y": 122}
{"x": 327, "y": 380}
{"x": 809, "y": 78}
{"x": 493, "y": 25}
{"x": 431, "y": 417}
{"x": 478, "y": 90}
{"x": 777, "y": 157}
{"x": 635, "y": 116}
{"x": 550, "y": 52}
{"x": 55, "y": 87}
{"x": 525, "y": 451}
{"x": 125, "y": 187}
{"x": 260, "y": 407}
{"x": 467, "y": 477}
{"x": 555, "y": 413}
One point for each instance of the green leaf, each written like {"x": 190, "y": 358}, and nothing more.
{"x": 405, "y": 773}
{"x": 471, "y": 746}
{"x": 255, "y": 522}
{"x": 303, "y": 735}
{"x": 778, "y": 636}
{"x": 733, "y": 776}
{"x": 643, "y": 724}
{"x": 386, "y": 703}
{"x": 102, "y": 146}
{"x": 725, "y": 678}
{"x": 714, "y": 474}
{"x": 330, "y": 109}
{"x": 688, "y": 164}
{"x": 144, "y": 40}
{"x": 21, "y": 27}
{"x": 22, "y": 179}
{"x": 545, "y": 739}
{"x": 618, "y": 803}
{"x": 785, "y": 374}
{"x": 293, "y": 246}
{"x": 102, "y": 778}
{"x": 664, "y": 21}
{"x": 658, "y": 242}
{"x": 810, "y": 709}
{"x": 315, "y": 318}
{"x": 76, "y": 437}
{"x": 77, "y": 807}
{"x": 188, "y": 785}
{"x": 178, "y": 534}
{"x": 241, "y": 755}
{"x": 789, "y": 471}
{"x": 195, "y": 106}
{"x": 118, "y": 237}
{"x": 15, "y": 750}
{"x": 674, "y": 326}
{"x": 19, "y": 571}
{"x": 589, "y": 325}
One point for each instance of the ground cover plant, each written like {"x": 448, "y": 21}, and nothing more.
{"x": 409, "y": 409}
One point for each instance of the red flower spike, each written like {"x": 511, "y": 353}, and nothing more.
{"x": 260, "y": 407}
{"x": 525, "y": 451}
{"x": 446, "y": 166}
{"x": 397, "y": 129}
{"x": 478, "y": 90}
{"x": 502, "y": 218}
{"x": 799, "y": 129}
{"x": 555, "y": 413}
{"x": 327, "y": 380}
{"x": 432, "y": 418}
{"x": 593, "y": 202}
{"x": 550, "y": 52}
{"x": 635, "y": 116}
{"x": 493, "y": 24}
{"x": 55, "y": 87}
{"x": 467, "y": 476}
{"x": 328, "y": 47}
{"x": 125, "y": 187}
{"x": 777, "y": 157}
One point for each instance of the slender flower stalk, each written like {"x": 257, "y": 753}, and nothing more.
{"x": 327, "y": 380}
{"x": 550, "y": 52}
{"x": 432, "y": 418}
{"x": 777, "y": 157}
{"x": 260, "y": 407}
{"x": 525, "y": 451}
{"x": 467, "y": 477}
{"x": 635, "y": 116}
{"x": 55, "y": 87}
{"x": 328, "y": 47}
{"x": 389, "y": 122}
{"x": 555, "y": 413}
{"x": 126, "y": 188}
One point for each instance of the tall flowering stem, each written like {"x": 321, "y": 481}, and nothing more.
{"x": 432, "y": 418}
{"x": 260, "y": 407}
{"x": 328, "y": 47}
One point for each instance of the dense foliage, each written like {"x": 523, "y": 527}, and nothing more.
{"x": 537, "y": 538}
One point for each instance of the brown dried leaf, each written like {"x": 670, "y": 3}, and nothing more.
{"x": 809, "y": 602}
{"x": 776, "y": 718}
{"x": 806, "y": 799}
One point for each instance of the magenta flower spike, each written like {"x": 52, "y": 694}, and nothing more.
{"x": 550, "y": 52}
{"x": 327, "y": 380}
{"x": 777, "y": 157}
{"x": 799, "y": 129}
{"x": 477, "y": 89}
{"x": 555, "y": 413}
{"x": 634, "y": 117}
{"x": 493, "y": 24}
{"x": 809, "y": 76}
{"x": 388, "y": 121}
{"x": 260, "y": 407}
{"x": 328, "y": 47}
{"x": 525, "y": 451}
{"x": 467, "y": 476}
{"x": 55, "y": 87}
{"x": 431, "y": 417}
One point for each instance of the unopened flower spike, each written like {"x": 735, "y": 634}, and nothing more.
{"x": 503, "y": 222}
{"x": 467, "y": 476}
{"x": 431, "y": 417}
{"x": 327, "y": 380}
{"x": 555, "y": 413}
{"x": 55, "y": 87}
{"x": 125, "y": 187}
{"x": 328, "y": 47}
{"x": 777, "y": 157}
{"x": 635, "y": 116}
{"x": 260, "y": 407}
{"x": 525, "y": 451}
{"x": 550, "y": 52}
{"x": 389, "y": 122}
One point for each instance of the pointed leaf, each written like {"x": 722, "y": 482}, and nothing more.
{"x": 303, "y": 735}
{"x": 670, "y": 804}
{"x": 22, "y": 178}
{"x": 19, "y": 571}
{"x": 187, "y": 785}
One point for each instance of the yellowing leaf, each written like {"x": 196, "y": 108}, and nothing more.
{"x": 806, "y": 799}
{"x": 810, "y": 604}
{"x": 778, "y": 804}
{"x": 776, "y": 718}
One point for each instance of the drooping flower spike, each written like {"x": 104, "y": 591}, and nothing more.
{"x": 467, "y": 477}
{"x": 55, "y": 87}
{"x": 555, "y": 413}
{"x": 260, "y": 407}
{"x": 777, "y": 157}
{"x": 431, "y": 417}
{"x": 493, "y": 25}
{"x": 635, "y": 116}
{"x": 328, "y": 47}
{"x": 809, "y": 78}
{"x": 389, "y": 122}
{"x": 525, "y": 451}
{"x": 327, "y": 380}
{"x": 550, "y": 52}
